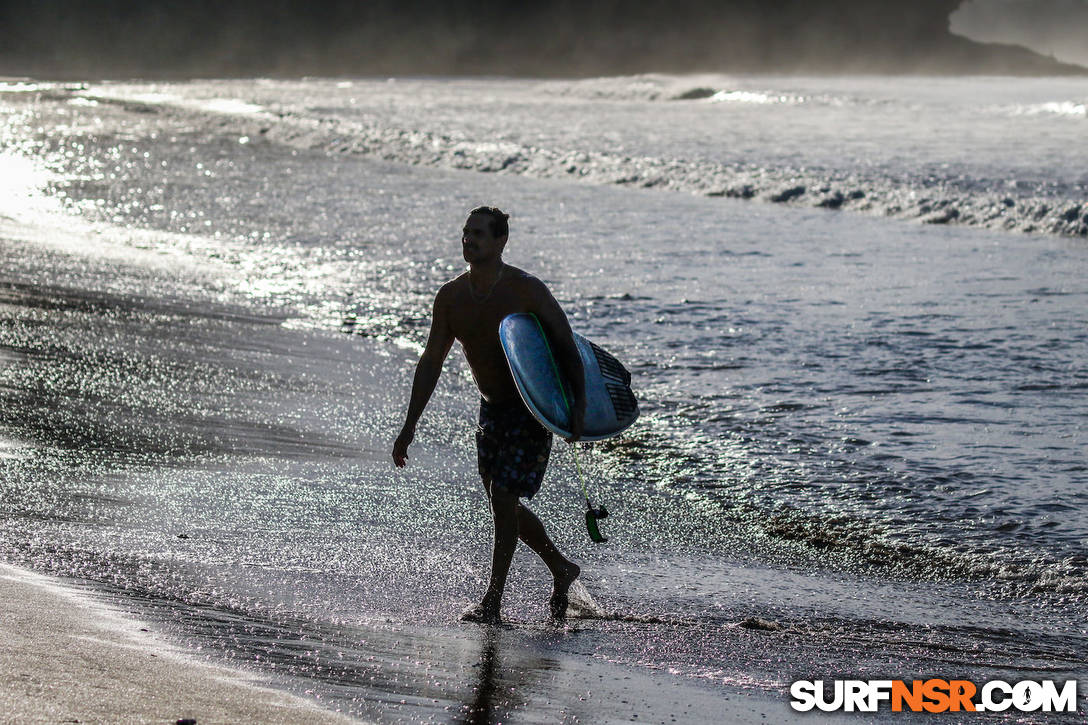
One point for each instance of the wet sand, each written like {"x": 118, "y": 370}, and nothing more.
{"x": 178, "y": 441}
{"x": 67, "y": 658}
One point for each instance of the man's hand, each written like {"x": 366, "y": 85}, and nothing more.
{"x": 577, "y": 422}
{"x": 400, "y": 447}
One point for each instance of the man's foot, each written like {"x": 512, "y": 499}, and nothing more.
{"x": 483, "y": 613}
{"x": 559, "y": 602}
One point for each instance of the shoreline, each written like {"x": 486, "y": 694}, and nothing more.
{"x": 224, "y": 475}
{"x": 71, "y": 658}
{"x": 83, "y": 655}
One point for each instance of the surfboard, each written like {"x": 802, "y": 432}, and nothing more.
{"x": 610, "y": 404}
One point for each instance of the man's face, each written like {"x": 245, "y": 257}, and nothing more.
{"x": 478, "y": 244}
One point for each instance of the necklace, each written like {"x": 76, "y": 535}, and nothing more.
{"x": 480, "y": 300}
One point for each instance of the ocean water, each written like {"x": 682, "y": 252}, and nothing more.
{"x": 855, "y": 310}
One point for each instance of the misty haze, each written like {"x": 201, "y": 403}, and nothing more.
{"x": 1057, "y": 28}
{"x": 292, "y": 38}
{"x": 840, "y": 248}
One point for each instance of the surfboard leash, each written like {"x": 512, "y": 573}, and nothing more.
{"x": 592, "y": 513}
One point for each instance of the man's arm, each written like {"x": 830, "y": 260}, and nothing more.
{"x": 428, "y": 370}
{"x": 559, "y": 333}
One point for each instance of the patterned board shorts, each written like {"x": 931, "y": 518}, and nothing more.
{"x": 512, "y": 448}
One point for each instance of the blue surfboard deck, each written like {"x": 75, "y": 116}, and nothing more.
{"x": 610, "y": 405}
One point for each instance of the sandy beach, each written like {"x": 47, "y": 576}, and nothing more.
{"x": 68, "y": 658}
{"x": 860, "y": 455}
{"x": 114, "y": 648}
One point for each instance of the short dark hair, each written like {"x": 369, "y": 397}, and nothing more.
{"x": 500, "y": 226}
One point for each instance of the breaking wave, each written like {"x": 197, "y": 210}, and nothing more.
{"x": 1007, "y": 204}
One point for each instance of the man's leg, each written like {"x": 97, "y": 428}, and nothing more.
{"x": 504, "y": 511}
{"x": 564, "y": 571}
{"x": 532, "y": 532}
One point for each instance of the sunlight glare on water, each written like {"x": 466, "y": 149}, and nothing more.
{"x": 23, "y": 185}
{"x": 861, "y": 441}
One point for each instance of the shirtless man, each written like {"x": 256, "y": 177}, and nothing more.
{"x": 512, "y": 447}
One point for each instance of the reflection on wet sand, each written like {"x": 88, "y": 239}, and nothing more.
{"x": 482, "y": 707}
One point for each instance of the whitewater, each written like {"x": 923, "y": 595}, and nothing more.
{"x": 854, "y": 310}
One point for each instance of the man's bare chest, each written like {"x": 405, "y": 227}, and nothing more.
{"x": 475, "y": 323}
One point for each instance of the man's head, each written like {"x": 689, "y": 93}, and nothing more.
{"x": 484, "y": 235}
